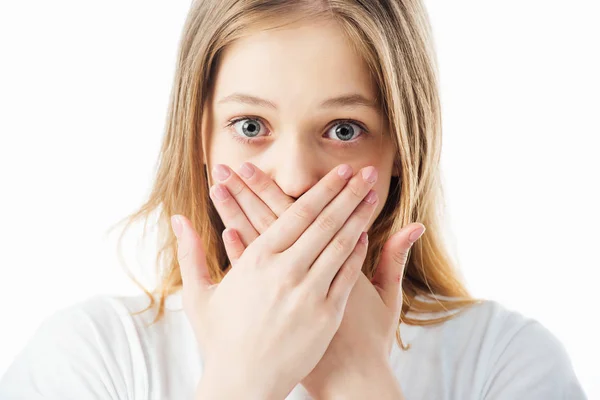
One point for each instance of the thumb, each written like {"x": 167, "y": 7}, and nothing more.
{"x": 191, "y": 257}
{"x": 390, "y": 270}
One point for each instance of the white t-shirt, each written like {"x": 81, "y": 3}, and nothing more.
{"x": 96, "y": 350}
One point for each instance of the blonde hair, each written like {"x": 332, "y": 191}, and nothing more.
{"x": 394, "y": 37}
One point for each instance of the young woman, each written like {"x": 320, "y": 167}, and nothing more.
{"x": 296, "y": 128}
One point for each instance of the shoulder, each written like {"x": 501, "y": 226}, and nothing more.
{"x": 90, "y": 348}
{"x": 94, "y": 322}
{"x": 493, "y": 324}
{"x": 500, "y": 329}
{"x": 521, "y": 357}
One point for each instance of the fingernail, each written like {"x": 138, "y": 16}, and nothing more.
{"x": 220, "y": 172}
{"x": 220, "y": 192}
{"x": 246, "y": 170}
{"x": 416, "y": 234}
{"x": 364, "y": 237}
{"x": 230, "y": 235}
{"x": 345, "y": 171}
{"x": 176, "y": 225}
{"x": 369, "y": 174}
{"x": 371, "y": 197}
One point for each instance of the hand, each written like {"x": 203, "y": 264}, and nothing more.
{"x": 270, "y": 320}
{"x": 373, "y": 310}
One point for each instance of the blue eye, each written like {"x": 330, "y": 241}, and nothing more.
{"x": 251, "y": 127}
{"x": 346, "y": 129}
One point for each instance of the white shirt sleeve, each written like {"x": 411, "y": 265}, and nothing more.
{"x": 80, "y": 352}
{"x": 529, "y": 362}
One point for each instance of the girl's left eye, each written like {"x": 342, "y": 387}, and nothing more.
{"x": 342, "y": 129}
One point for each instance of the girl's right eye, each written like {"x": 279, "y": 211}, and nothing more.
{"x": 250, "y": 128}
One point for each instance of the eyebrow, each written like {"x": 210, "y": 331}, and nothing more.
{"x": 353, "y": 99}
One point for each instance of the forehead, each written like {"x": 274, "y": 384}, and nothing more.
{"x": 305, "y": 62}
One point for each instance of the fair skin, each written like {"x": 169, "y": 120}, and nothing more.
{"x": 355, "y": 364}
{"x": 296, "y": 151}
{"x": 298, "y": 143}
{"x": 266, "y": 325}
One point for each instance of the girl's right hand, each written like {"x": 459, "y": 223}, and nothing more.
{"x": 270, "y": 320}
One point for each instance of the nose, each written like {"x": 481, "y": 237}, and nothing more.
{"x": 294, "y": 166}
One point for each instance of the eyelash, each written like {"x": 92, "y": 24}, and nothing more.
{"x": 247, "y": 140}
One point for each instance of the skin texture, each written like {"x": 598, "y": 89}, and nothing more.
{"x": 281, "y": 306}
{"x": 298, "y": 68}
{"x": 355, "y": 364}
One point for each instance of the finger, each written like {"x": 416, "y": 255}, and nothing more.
{"x": 293, "y": 222}
{"x": 231, "y": 214}
{"x": 233, "y": 245}
{"x": 318, "y": 235}
{"x": 191, "y": 257}
{"x": 390, "y": 270}
{"x": 265, "y": 188}
{"x": 324, "y": 269}
{"x": 348, "y": 275}
{"x": 257, "y": 212}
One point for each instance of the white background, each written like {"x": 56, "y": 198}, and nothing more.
{"x": 84, "y": 89}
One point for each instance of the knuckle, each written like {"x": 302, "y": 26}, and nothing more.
{"x": 356, "y": 191}
{"x": 331, "y": 189}
{"x": 260, "y": 256}
{"x": 330, "y": 315}
{"x": 183, "y": 254}
{"x": 260, "y": 247}
{"x": 400, "y": 257}
{"x": 365, "y": 211}
{"x": 254, "y": 255}
{"x": 284, "y": 207}
{"x": 227, "y": 210}
{"x": 303, "y": 211}
{"x": 340, "y": 244}
{"x": 236, "y": 188}
{"x": 349, "y": 272}
{"x": 326, "y": 314}
{"x": 287, "y": 282}
{"x": 265, "y": 222}
{"x": 302, "y": 297}
{"x": 326, "y": 223}
{"x": 263, "y": 186}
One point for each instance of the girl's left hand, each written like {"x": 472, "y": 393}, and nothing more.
{"x": 364, "y": 340}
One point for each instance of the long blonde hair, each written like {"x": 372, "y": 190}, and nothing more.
{"x": 394, "y": 37}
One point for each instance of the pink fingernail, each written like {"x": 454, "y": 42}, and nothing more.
{"x": 345, "y": 171}
{"x": 220, "y": 192}
{"x": 230, "y": 235}
{"x": 220, "y": 172}
{"x": 416, "y": 234}
{"x": 370, "y": 174}
{"x": 246, "y": 170}
{"x": 364, "y": 237}
{"x": 371, "y": 197}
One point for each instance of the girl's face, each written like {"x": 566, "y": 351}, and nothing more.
{"x": 297, "y": 102}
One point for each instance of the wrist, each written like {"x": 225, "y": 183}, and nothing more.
{"x": 230, "y": 385}
{"x": 374, "y": 379}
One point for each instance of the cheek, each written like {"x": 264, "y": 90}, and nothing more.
{"x": 223, "y": 152}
